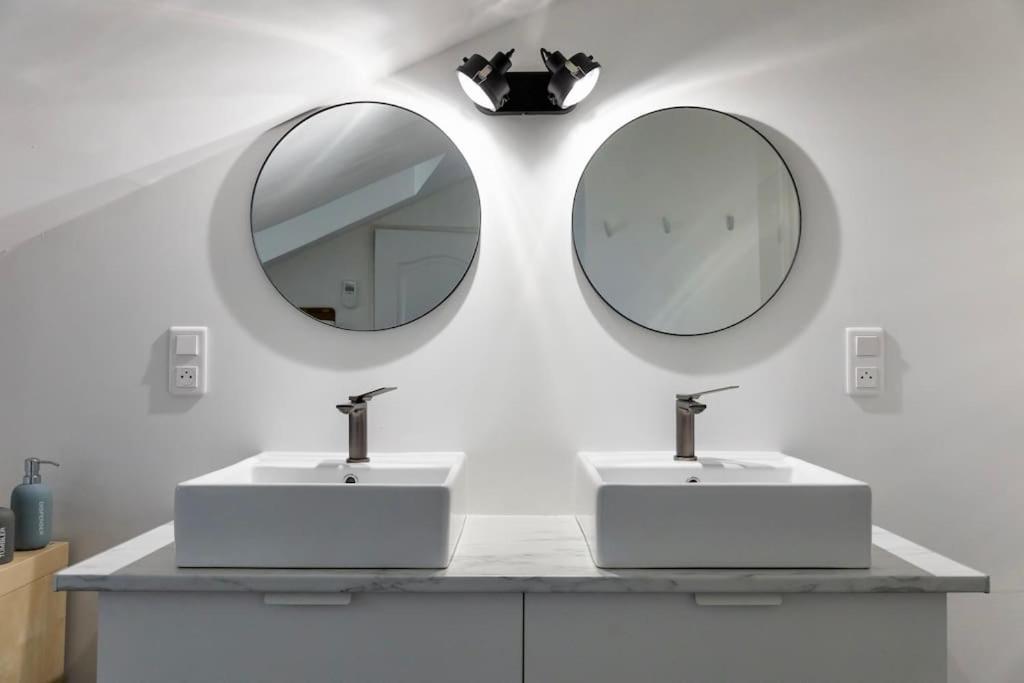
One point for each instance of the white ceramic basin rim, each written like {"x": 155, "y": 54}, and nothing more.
{"x": 651, "y": 469}
{"x": 388, "y": 469}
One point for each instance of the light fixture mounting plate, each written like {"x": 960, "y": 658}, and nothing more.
{"x": 528, "y": 96}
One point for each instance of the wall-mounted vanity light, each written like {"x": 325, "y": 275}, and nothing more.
{"x": 497, "y": 91}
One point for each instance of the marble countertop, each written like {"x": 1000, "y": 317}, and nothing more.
{"x": 545, "y": 554}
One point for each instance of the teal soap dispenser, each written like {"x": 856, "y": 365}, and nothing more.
{"x": 32, "y": 503}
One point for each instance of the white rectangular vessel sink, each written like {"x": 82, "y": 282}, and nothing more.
{"x": 312, "y": 510}
{"x": 727, "y": 509}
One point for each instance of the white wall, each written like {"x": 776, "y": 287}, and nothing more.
{"x": 100, "y": 97}
{"x": 901, "y": 122}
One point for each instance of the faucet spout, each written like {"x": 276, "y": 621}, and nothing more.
{"x": 363, "y": 398}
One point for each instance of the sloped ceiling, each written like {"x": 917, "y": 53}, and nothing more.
{"x": 93, "y": 94}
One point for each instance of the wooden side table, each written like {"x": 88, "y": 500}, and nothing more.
{"x": 32, "y": 616}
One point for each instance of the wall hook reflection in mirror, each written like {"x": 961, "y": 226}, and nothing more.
{"x": 610, "y": 230}
{"x": 666, "y": 226}
{"x": 497, "y": 91}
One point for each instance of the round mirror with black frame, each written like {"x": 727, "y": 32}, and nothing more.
{"x": 365, "y": 216}
{"x": 686, "y": 221}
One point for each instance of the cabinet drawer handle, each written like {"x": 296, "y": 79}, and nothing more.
{"x": 738, "y": 599}
{"x": 311, "y": 599}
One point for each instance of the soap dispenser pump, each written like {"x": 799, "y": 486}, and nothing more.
{"x": 32, "y": 503}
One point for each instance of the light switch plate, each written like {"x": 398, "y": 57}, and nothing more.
{"x": 865, "y": 361}
{"x": 188, "y": 361}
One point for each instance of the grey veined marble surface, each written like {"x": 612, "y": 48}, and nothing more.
{"x": 543, "y": 554}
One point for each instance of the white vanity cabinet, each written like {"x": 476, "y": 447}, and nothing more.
{"x": 375, "y": 638}
{"x": 515, "y": 637}
{"x": 740, "y": 638}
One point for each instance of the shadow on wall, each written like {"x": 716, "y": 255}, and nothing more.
{"x": 259, "y": 309}
{"x": 891, "y": 400}
{"x": 155, "y": 379}
{"x": 780, "y": 320}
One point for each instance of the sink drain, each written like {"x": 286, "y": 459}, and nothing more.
{"x": 351, "y": 479}
{"x": 692, "y": 480}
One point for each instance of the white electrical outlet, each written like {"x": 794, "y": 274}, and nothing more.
{"x": 866, "y": 377}
{"x": 185, "y": 376}
{"x": 188, "y": 361}
{"x": 865, "y": 361}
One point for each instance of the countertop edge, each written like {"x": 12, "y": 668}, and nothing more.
{"x": 541, "y": 554}
{"x": 134, "y": 584}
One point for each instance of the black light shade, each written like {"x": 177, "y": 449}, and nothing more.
{"x": 484, "y": 81}
{"x": 571, "y": 79}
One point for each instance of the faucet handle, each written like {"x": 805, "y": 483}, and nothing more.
{"x": 363, "y": 398}
{"x": 695, "y": 396}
